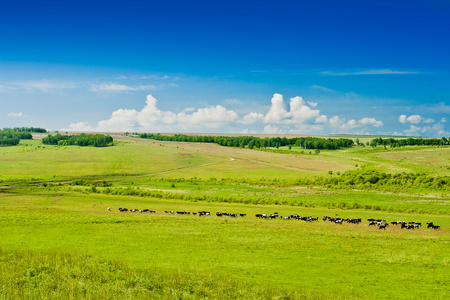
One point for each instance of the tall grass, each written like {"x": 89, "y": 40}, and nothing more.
{"x": 40, "y": 275}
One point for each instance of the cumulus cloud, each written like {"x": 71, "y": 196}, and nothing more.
{"x": 271, "y": 129}
{"x": 351, "y": 124}
{"x": 15, "y": 114}
{"x": 370, "y": 121}
{"x": 335, "y": 121}
{"x": 80, "y": 126}
{"x": 121, "y": 120}
{"x": 252, "y": 117}
{"x": 302, "y": 116}
{"x": 300, "y": 112}
{"x": 321, "y": 119}
{"x": 436, "y": 129}
{"x": 414, "y": 119}
{"x": 341, "y": 123}
{"x": 151, "y": 118}
{"x": 277, "y": 113}
{"x": 413, "y": 130}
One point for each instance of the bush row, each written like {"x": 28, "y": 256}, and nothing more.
{"x": 363, "y": 179}
{"x": 258, "y": 200}
{"x": 96, "y": 140}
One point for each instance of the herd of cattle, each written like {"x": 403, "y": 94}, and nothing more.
{"x": 381, "y": 223}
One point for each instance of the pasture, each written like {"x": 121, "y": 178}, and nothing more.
{"x": 59, "y": 240}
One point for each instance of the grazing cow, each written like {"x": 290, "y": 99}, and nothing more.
{"x": 398, "y": 222}
{"x": 430, "y": 224}
{"x": 383, "y": 226}
{"x": 373, "y": 223}
{"x": 109, "y": 208}
{"x": 436, "y": 226}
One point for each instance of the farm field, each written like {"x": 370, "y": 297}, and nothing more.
{"x": 59, "y": 241}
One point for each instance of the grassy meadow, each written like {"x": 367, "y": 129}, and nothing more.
{"x": 59, "y": 241}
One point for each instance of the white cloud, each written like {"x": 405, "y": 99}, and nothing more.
{"x": 252, "y": 117}
{"x": 211, "y": 117}
{"x": 402, "y": 119}
{"x": 299, "y": 113}
{"x": 246, "y": 131}
{"x": 351, "y": 124}
{"x": 277, "y": 112}
{"x": 444, "y": 120}
{"x": 436, "y": 129}
{"x": 121, "y": 120}
{"x": 335, "y": 121}
{"x": 341, "y": 123}
{"x": 15, "y": 115}
{"x": 302, "y": 113}
{"x": 428, "y": 120}
{"x": 412, "y": 130}
{"x": 321, "y": 119}
{"x": 80, "y": 126}
{"x": 370, "y": 121}
{"x": 414, "y": 119}
{"x": 312, "y": 104}
{"x": 151, "y": 118}
{"x": 270, "y": 129}
{"x": 301, "y": 117}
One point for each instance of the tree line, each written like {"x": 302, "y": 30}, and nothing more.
{"x": 10, "y": 137}
{"x": 395, "y": 143}
{"x": 252, "y": 142}
{"x": 96, "y": 140}
{"x": 30, "y": 129}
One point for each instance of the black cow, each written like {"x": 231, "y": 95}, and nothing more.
{"x": 383, "y": 226}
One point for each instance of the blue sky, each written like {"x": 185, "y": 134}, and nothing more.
{"x": 288, "y": 67}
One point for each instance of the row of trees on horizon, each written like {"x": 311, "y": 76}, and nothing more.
{"x": 317, "y": 143}
{"x": 252, "y": 142}
{"x": 96, "y": 140}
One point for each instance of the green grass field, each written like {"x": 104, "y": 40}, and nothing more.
{"x": 59, "y": 241}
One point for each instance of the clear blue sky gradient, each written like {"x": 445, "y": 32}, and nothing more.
{"x": 66, "y": 62}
